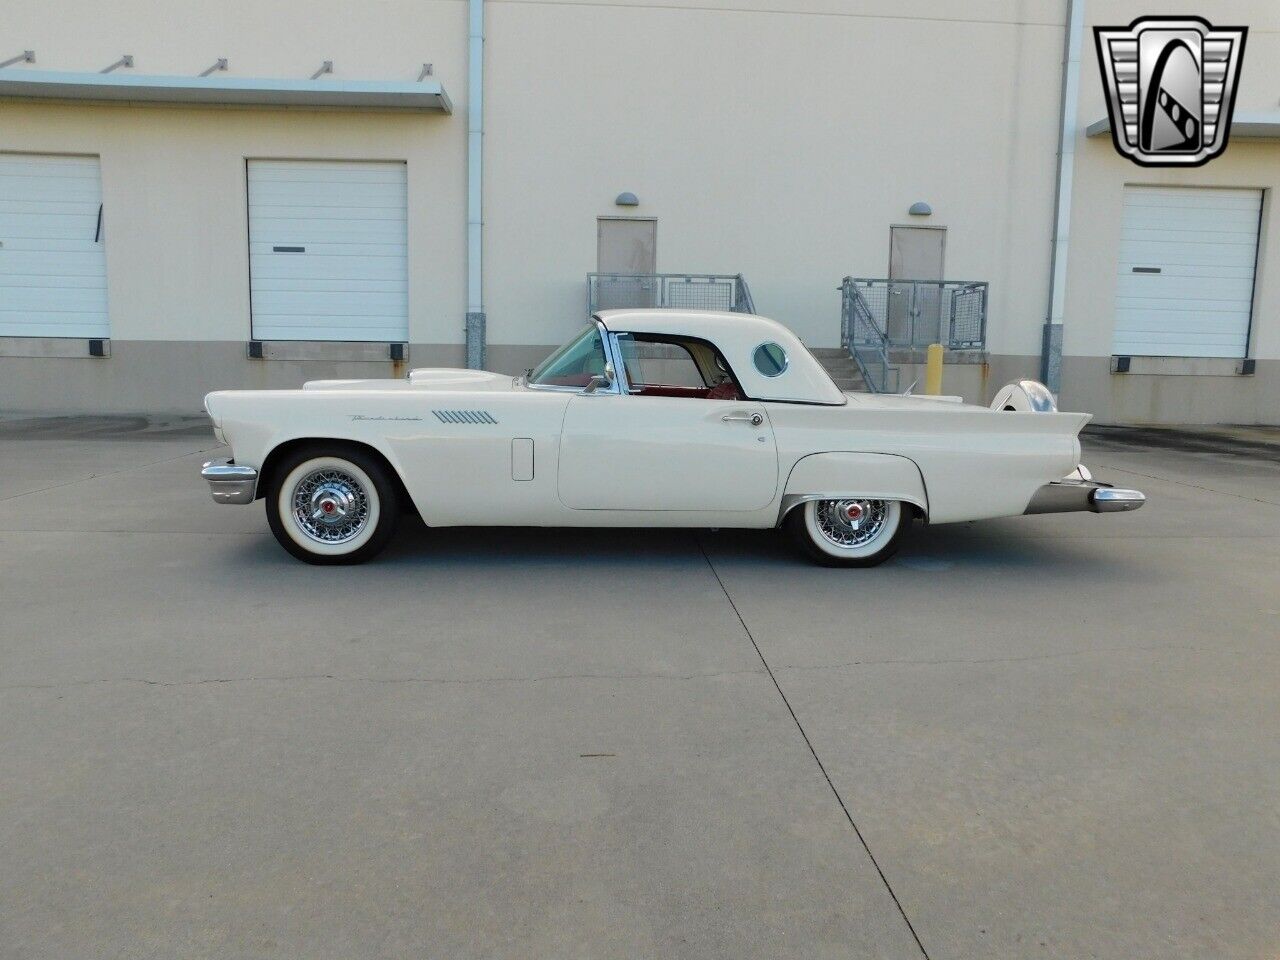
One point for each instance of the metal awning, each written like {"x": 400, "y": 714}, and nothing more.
{"x": 422, "y": 95}
{"x": 1245, "y": 126}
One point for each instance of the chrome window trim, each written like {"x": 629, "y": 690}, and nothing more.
{"x": 621, "y": 382}
{"x": 619, "y": 365}
{"x": 552, "y": 388}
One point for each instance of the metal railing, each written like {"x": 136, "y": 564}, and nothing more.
{"x": 689, "y": 291}
{"x": 865, "y": 339}
{"x": 916, "y": 313}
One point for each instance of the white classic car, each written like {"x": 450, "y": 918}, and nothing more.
{"x": 657, "y": 418}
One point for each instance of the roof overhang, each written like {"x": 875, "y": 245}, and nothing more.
{"x": 422, "y": 95}
{"x": 1244, "y": 126}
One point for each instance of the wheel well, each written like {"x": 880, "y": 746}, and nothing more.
{"x": 791, "y": 501}
{"x": 266, "y": 475}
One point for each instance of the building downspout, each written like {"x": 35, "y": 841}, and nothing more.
{"x": 1051, "y": 340}
{"x": 475, "y": 328}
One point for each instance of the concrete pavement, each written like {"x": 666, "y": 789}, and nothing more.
{"x": 1049, "y": 736}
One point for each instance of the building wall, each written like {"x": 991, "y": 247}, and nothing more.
{"x": 174, "y": 185}
{"x": 1195, "y": 391}
{"x": 777, "y": 139}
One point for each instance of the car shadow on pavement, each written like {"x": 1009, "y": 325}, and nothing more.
{"x": 990, "y": 547}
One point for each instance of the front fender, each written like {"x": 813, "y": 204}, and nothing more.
{"x": 872, "y": 476}
{"x": 258, "y": 424}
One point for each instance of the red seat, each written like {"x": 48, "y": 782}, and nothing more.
{"x": 725, "y": 390}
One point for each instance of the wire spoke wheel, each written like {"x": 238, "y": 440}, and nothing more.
{"x": 851, "y": 523}
{"x": 330, "y": 506}
{"x": 848, "y": 531}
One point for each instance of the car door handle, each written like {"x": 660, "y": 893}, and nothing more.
{"x": 754, "y": 419}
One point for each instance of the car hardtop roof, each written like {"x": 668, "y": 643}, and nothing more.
{"x": 737, "y": 336}
{"x": 672, "y": 321}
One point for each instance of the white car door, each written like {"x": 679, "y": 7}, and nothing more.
{"x": 627, "y": 452}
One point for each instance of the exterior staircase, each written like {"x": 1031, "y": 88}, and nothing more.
{"x": 842, "y": 367}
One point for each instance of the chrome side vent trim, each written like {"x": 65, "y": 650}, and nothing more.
{"x": 464, "y": 416}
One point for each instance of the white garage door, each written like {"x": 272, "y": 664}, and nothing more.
{"x": 328, "y": 250}
{"x": 53, "y": 272}
{"x": 1187, "y": 257}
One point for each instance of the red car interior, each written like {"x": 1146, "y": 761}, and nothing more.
{"x": 728, "y": 390}
{"x": 725, "y": 390}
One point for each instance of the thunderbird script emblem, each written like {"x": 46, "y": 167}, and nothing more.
{"x": 1171, "y": 88}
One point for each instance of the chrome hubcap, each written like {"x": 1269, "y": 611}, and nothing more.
{"x": 851, "y": 523}
{"x": 330, "y": 506}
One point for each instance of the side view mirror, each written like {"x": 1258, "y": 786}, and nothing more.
{"x": 600, "y": 381}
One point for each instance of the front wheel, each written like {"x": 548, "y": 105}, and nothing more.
{"x": 849, "y": 532}
{"x": 332, "y": 506}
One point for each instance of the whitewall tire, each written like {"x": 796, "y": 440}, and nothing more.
{"x": 849, "y": 532}
{"x": 332, "y": 506}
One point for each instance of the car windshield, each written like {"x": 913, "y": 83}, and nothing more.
{"x": 574, "y": 364}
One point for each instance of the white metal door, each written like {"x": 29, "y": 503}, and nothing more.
{"x": 53, "y": 271}
{"x": 666, "y": 453}
{"x": 916, "y": 253}
{"x": 913, "y": 312}
{"x": 328, "y": 250}
{"x": 626, "y": 245}
{"x": 1186, "y": 271}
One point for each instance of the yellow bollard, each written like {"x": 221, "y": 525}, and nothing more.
{"x": 933, "y": 371}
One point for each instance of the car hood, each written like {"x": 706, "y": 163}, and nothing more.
{"x": 427, "y": 378}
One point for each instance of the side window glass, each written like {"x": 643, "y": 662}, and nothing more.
{"x": 656, "y": 363}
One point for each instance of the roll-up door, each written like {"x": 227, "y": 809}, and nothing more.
{"x": 1187, "y": 260}
{"x": 328, "y": 250}
{"x": 53, "y": 269}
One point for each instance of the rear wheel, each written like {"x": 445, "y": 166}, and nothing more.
{"x": 849, "y": 532}
{"x": 332, "y": 506}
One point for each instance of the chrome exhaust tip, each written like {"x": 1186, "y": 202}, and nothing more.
{"x": 1067, "y": 496}
{"x": 1115, "y": 500}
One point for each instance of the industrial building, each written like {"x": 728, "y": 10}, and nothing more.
{"x": 196, "y": 197}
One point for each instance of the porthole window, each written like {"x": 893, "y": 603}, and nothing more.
{"x": 770, "y": 359}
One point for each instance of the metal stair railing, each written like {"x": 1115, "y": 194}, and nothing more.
{"x": 742, "y": 295}
{"x": 688, "y": 291}
{"x": 865, "y": 341}
{"x": 915, "y": 313}
{"x": 967, "y": 326}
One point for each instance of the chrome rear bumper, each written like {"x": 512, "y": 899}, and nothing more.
{"x": 1067, "y": 496}
{"x": 229, "y": 482}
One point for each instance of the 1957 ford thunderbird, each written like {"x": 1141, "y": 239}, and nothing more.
{"x": 657, "y": 418}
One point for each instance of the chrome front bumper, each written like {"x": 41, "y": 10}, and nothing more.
{"x": 229, "y": 482}
{"x": 1067, "y": 496}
